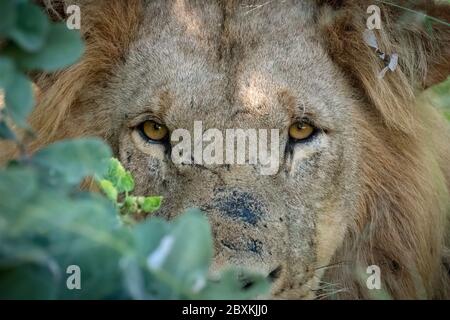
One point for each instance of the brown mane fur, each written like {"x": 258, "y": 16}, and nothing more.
{"x": 403, "y": 219}
{"x": 107, "y": 37}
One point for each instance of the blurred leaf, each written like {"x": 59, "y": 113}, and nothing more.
{"x": 442, "y": 93}
{"x": 31, "y": 29}
{"x": 28, "y": 281}
{"x": 147, "y": 235}
{"x": 100, "y": 271}
{"x": 7, "y": 71}
{"x": 82, "y": 231}
{"x": 63, "y": 47}
{"x": 447, "y": 115}
{"x": 14, "y": 182}
{"x": 72, "y": 160}
{"x": 439, "y": 96}
{"x": 140, "y": 283}
{"x": 136, "y": 280}
{"x": 109, "y": 189}
{"x": 8, "y": 16}
{"x": 6, "y": 132}
{"x": 19, "y": 99}
{"x": 190, "y": 241}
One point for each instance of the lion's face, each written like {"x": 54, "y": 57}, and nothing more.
{"x": 261, "y": 69}
{"x": 361, "y": 175}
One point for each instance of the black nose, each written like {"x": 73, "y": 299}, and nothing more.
{"x": 247, "y": 281}
{"x": 239, "y": 205}
{"x": 275, "y": 274}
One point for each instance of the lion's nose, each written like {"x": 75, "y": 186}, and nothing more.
{"x": 239, "y": 205}
{"x": 274, "y": 276}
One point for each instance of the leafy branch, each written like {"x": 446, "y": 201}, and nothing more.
{"x": 118, "y": 183}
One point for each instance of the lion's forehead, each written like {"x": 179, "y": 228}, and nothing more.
{"x": 209, "y": 57}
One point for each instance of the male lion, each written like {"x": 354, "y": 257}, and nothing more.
{"x": 364, "y": 177}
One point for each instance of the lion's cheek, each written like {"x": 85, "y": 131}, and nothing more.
{"x": 330, "y": 233}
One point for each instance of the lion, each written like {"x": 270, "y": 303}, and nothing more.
{"x": 364, "y": 178}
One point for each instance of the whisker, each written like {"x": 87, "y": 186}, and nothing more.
{"x": 328, "y": 294}
{"x": 331, "y": 265}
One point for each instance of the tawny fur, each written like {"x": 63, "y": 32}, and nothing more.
{"x": 403, "y": 215}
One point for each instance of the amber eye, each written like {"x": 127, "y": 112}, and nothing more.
{"x": 301, "y": 131}
{"x": 154, "y": 131}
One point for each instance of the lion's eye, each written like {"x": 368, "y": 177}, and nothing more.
{"x": 154, "y": 131}
{"x": 301, "y": 131}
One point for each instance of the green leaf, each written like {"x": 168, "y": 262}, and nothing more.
{"x": 136, "y": 280}
{"x": 5, "y": 132}
{"x": 190, "y": 241}
{"x": 17, "y": 186}
{"x": 447, "y": 115}
{"x": 115, "y": 169}
{"x": 72, "y": 160}
{"x": 109, "y": 189}
{"x": 19, "y": 99}
{"x": 31, "y": 29}
{"x": 126, "y": 183}
{"x": 55, "y": 214}
{"x": 120, "y": 178}
{"x": 442, "y": 94}
{"x": 8, "y": 16}
{"x": 439, "y": 96}
{"x": 130, "y": 205}
{"x": 63, "y": 47}
{"x": 148, "y": 234}
{"x": 29, "y": 281}
{"x": 146, "y": 238}
{"x": 81, "y": 230}
{"x": 7, "y": 71}
{"x": 151, "y": 204}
